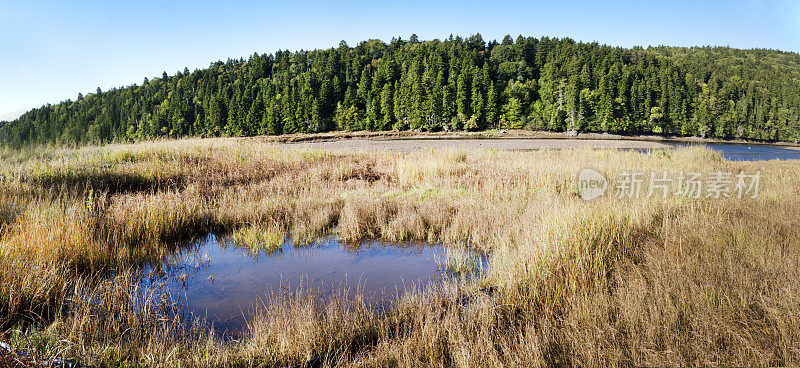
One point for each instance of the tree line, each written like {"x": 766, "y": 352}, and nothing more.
{"x": 553, "y": 84}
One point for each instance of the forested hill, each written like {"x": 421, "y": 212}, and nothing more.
{"x": 455, "y": 84}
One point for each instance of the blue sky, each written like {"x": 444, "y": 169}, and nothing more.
{"x": 52, "y": 50}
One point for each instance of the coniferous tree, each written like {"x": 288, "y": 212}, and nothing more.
{"x": 456, "y": 83}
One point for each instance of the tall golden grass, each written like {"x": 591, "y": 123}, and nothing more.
{"x": 609, "y": 282}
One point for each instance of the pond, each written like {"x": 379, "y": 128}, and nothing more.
{"x": 222, "y": 282}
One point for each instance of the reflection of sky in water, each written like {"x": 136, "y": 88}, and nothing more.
{"x": 742, "y": 152}
{"x": 221, "y": 282}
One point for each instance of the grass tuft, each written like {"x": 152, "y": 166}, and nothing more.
{"x": 648, "y": 282}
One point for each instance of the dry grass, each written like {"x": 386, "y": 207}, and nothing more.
{"x": 604, "y": 283}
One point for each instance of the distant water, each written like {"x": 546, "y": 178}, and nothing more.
{"x": 221, "y": 281}
{"x": 744, "y": 152}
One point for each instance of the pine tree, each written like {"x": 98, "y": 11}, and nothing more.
{"x": 491, "y": 107}
{"x": 387, "y": 106}
{"x": 462, "y": 98}
{"x": 546, "y": 83}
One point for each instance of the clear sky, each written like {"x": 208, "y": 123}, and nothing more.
{"x": 52, "y": 50}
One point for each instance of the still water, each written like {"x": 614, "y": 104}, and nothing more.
{"x": 221, "y": 282}
{"x": 744, "y": 152}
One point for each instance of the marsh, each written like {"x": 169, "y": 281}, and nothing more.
{"x": 647, "y": 281}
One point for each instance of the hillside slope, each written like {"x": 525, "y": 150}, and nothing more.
{"x": 455, "y": 84}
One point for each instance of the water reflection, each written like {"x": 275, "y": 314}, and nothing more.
{"x": 220, "y": 281}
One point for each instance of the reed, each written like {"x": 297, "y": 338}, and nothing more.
{"x": 610, "y": 282}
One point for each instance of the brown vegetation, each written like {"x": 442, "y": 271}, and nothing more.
{"x": 604, "y": 283}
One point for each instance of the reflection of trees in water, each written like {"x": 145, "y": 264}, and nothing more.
{"x": 191, "y": 269}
